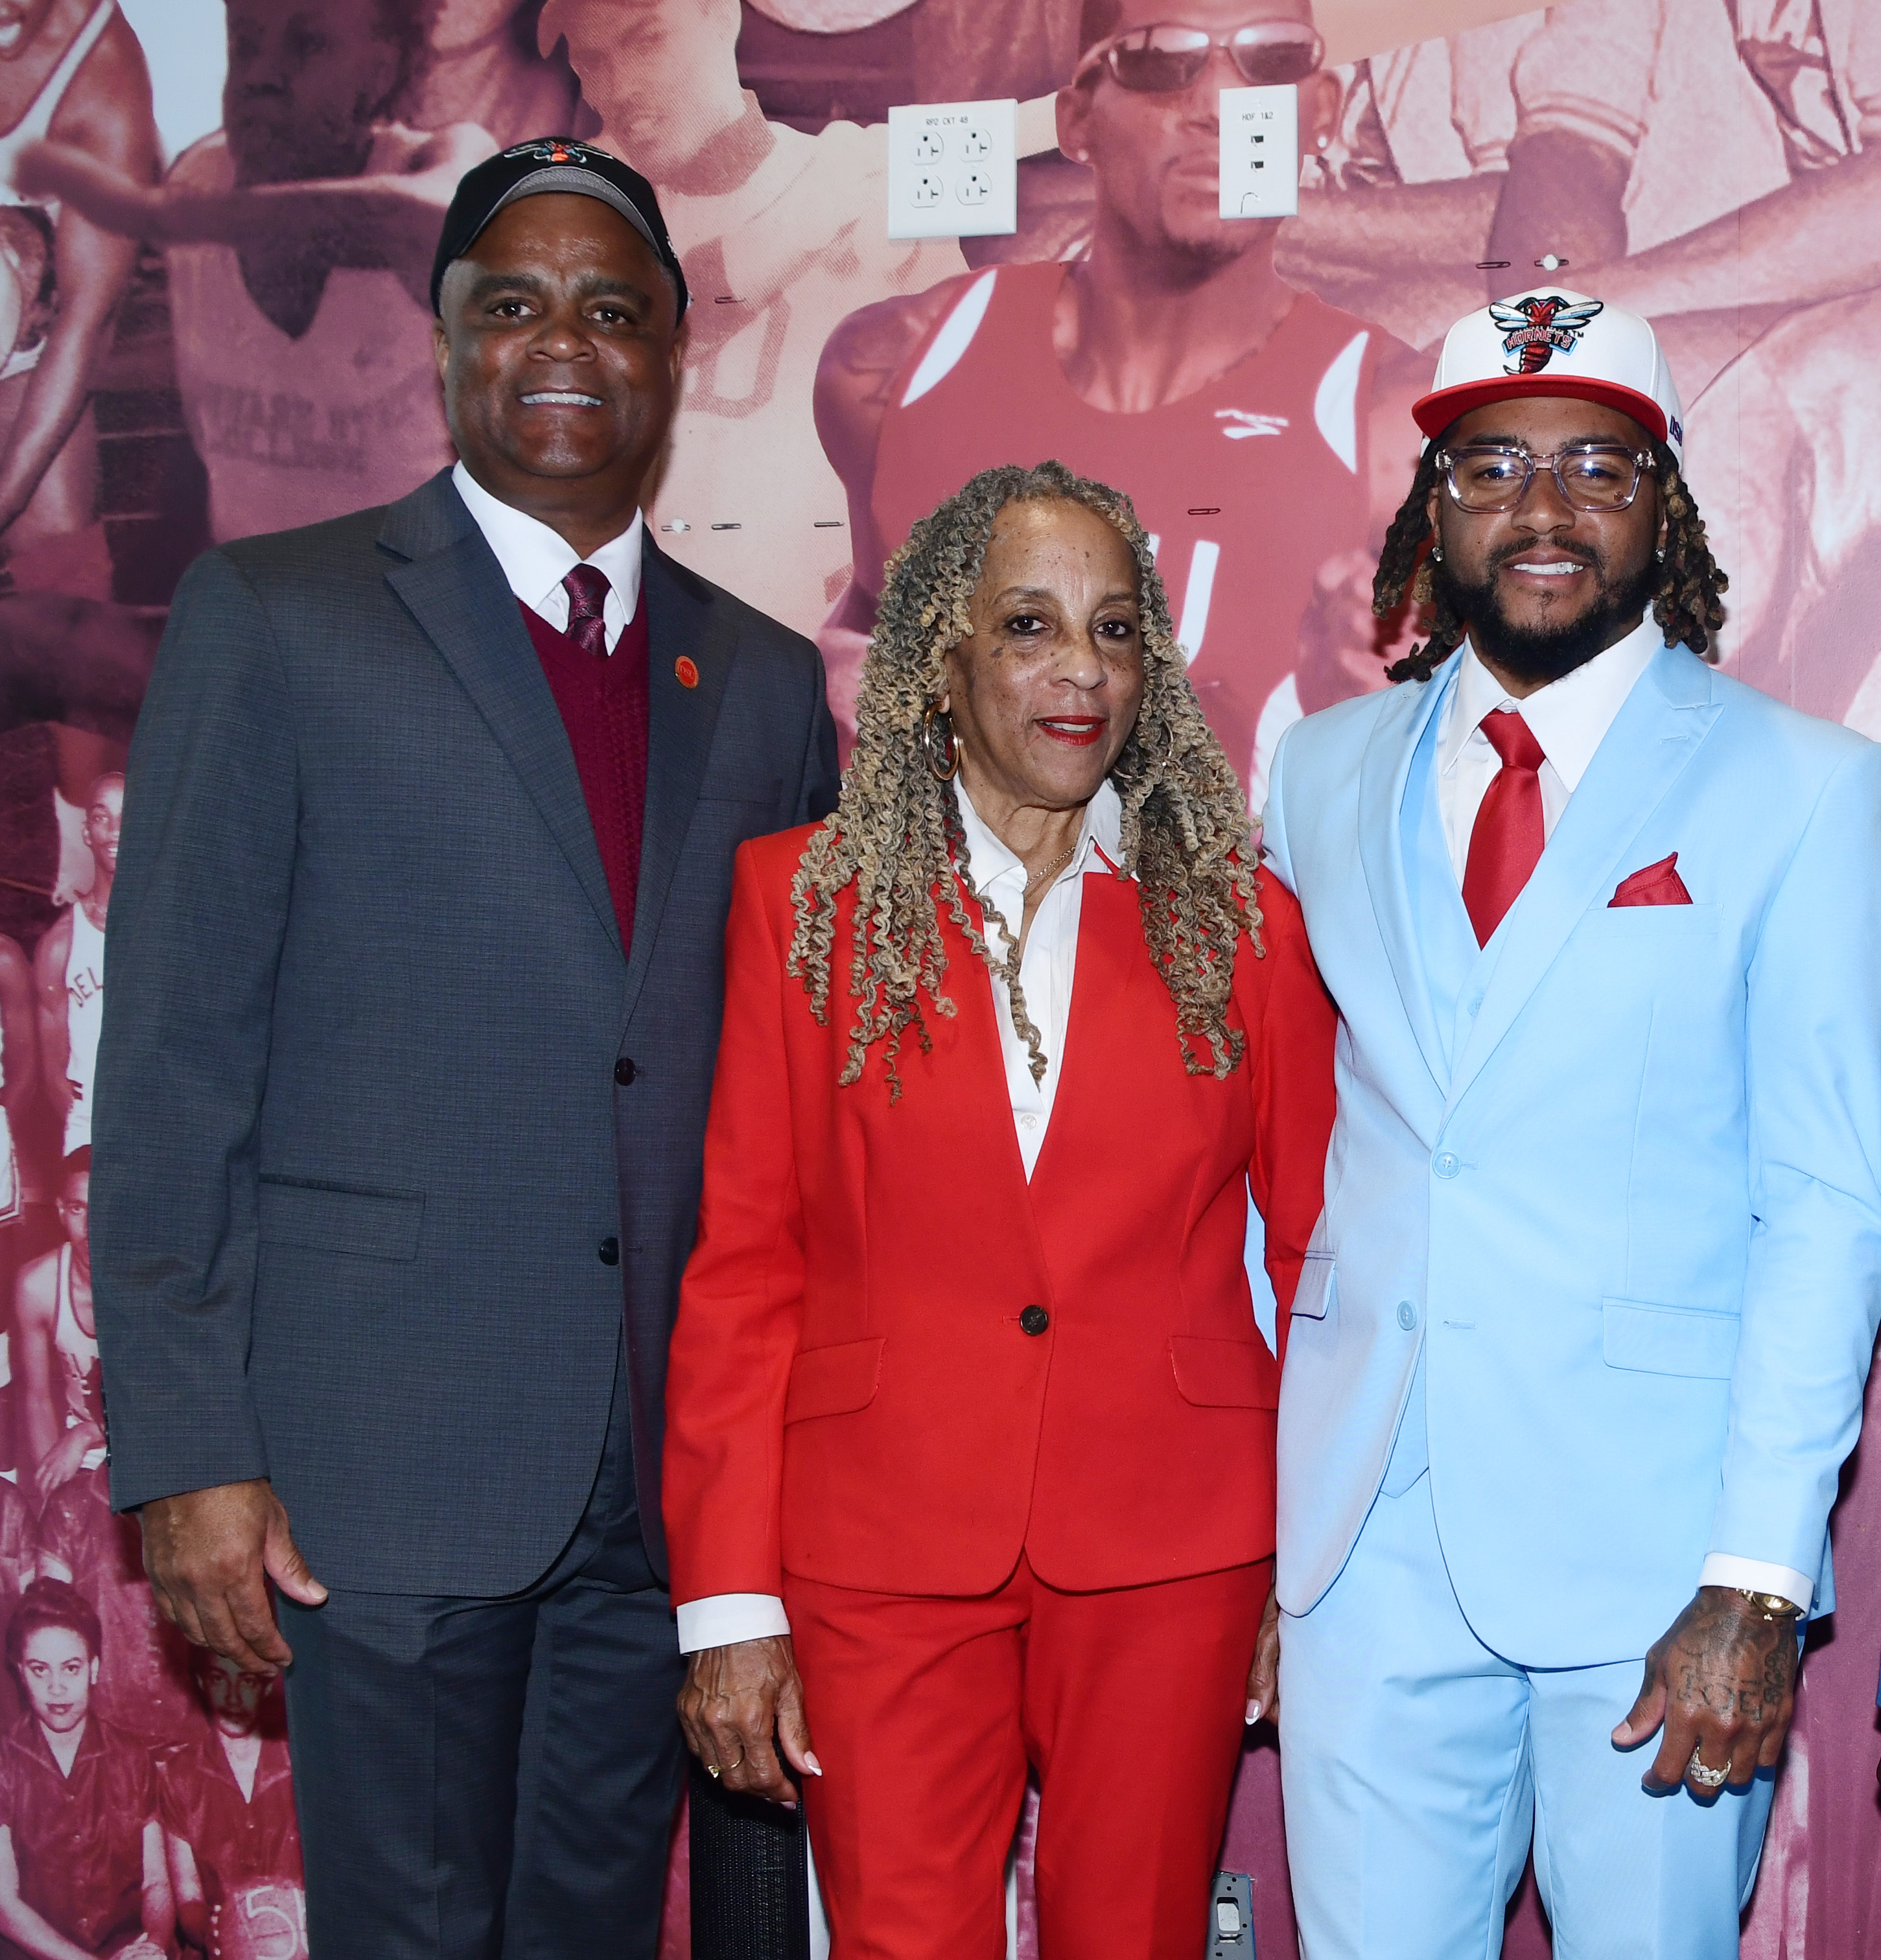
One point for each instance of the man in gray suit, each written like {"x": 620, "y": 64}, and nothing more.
{"x": 416, "y": 987}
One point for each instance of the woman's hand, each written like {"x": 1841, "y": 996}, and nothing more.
{"x": 734, "y": 1699}
{"x": 1263, "y": 1678}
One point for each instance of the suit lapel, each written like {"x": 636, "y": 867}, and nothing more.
{"x": 455, "y": 589}
{"x": 1383, "y": 776}
{"x": 682, "y": 624}
{"x": 1656, "y": 733}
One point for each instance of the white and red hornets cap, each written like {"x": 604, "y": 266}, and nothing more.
{"x": 1546, "y": 342}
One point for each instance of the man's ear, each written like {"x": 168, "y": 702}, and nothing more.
{"x": 440, "y": 348}
{"x": 1319, "y": 98}
{"x": 1074, "y": 123}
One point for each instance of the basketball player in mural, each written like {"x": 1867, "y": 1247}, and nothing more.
{"x": 61, "y": 1419}
{"x": 783, "y": 234}
{"x": 68, "y": 966}
{"x": 60, "y": 1412}
{"x": 82, "y": 1872}
{"x": 304, "y": 378}
{"x": 21, "y": 1233}
{"x": 19, "y": 1069}
{"x": 227, "y": 1806}
{"x": 299, "y": 237}
{"x": 72, "y": 69}
{"x": 1238, "y": 413}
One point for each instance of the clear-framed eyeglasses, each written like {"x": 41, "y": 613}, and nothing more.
{"x": 1169, "y": 57}
{"x": 1590, "y": 476}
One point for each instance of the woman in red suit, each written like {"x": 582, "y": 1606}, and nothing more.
{"x": 970, "y": 1451}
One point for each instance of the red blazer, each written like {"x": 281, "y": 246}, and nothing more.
{"x": 851, "y": 1396}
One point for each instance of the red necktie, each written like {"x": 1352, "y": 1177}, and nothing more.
{"x": 587, "y": 589}
{"x": 1506, "y": 844}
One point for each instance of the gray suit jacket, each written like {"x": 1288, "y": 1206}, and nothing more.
{"x": 361, "y": 1134}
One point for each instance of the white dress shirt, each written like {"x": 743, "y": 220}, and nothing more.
{"x": 1049, "y": 962}
{"x": 997, "y": 876}
{"x": 536, "y": 560}
{"x": 1569, "y": 718}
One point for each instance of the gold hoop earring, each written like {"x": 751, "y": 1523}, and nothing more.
{"x": 940, "y": 746}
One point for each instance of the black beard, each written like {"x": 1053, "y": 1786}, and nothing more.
{"x": 1545, "y": 653}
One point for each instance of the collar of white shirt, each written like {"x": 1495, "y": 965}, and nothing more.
{"x": 536, "y": 560}
{"x": 1569, "y": 718}
{"x": 1000, "y": 874}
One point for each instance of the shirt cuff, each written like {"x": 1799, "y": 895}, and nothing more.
{"x": 1753, "y": 1575}
{"x": 726, "y": 1619}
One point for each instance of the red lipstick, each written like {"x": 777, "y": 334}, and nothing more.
{"x": 1077, "y": 731}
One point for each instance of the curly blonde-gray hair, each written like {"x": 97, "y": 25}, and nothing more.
{"x": 895, "y": 833}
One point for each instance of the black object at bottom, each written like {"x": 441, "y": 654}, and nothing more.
{"x": 750, "y": 1876}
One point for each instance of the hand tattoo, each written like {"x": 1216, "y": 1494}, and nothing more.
{"x": 1726, "y": 1657}
{"x": 1729, "y": 1676}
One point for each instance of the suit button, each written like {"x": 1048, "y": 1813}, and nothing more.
{"x": 1447, "y": 1163}
{"x": 624, "y": 1070}
{"x": 1406, "y": 1316}
{"x": 610, "y": 1252}
{"x": 1034, "y": 1320}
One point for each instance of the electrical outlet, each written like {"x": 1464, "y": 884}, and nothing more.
{"x": 952, "y": 170}
{"x": 1260, "y": 152}
{"x": 1231, "y": 1918}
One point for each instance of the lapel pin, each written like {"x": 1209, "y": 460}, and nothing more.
{"x": 687, "y": 671}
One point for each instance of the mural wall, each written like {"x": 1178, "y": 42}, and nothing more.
{"x": 216, "y": 224}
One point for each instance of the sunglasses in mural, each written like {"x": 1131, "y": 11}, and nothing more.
{"x": 1168, "y": 57}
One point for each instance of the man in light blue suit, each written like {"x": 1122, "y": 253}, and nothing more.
{"x": 1581, "y": 1345}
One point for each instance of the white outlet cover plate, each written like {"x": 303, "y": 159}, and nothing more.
{"x": 954, "y": 170}
{"x": 1260, "y": 152}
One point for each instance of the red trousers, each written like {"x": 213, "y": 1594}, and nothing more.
{"x": 925, "y": 1712}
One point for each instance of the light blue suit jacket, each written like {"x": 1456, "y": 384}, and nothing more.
{"x": 1625, "y": 1202}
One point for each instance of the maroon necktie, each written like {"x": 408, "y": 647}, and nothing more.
{"x": 1506, "y": 844}
{"x": 587, "y": 589}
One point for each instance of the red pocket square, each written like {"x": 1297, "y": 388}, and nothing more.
{"x": 1657, "y": 885}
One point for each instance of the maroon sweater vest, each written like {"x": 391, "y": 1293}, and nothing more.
{"x": 603, "y": 707}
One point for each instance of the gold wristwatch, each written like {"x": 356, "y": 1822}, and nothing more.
{"x": 1769, "y": 1606}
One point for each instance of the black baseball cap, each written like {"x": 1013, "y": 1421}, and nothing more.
{"x": 551, "y": 164}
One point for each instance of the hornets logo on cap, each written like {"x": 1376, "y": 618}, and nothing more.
{"x": 1534, "y": 329}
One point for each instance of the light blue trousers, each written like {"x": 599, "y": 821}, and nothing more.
{"x": 1417, "y": 1765}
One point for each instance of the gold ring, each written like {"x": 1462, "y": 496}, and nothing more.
{"x": 712, "y": 1770}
